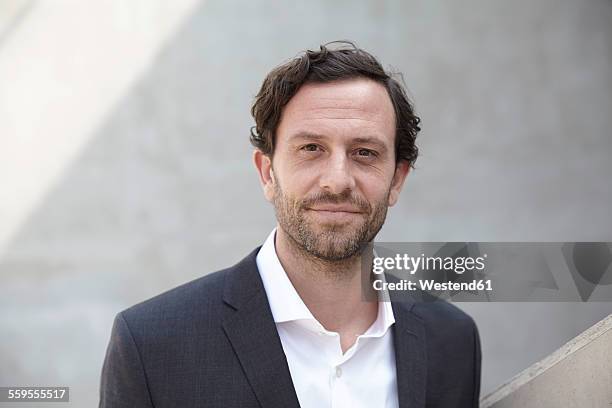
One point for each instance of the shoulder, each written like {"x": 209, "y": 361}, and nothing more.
{"x": 432, "y": 311}
{"x": 193, "y": 310}
{"x": 442, "y": 313}
{"x": 445, "y": 325}
{"x": 193, "y": 306}
{"x": 202, "y": 294}
{"x": 449, "y": 331}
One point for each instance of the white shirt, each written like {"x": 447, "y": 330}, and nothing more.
{"x": 322, "y": 375}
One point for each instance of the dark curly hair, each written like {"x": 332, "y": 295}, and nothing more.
{"x": 343, "y": 60}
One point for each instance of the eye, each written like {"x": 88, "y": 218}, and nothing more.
{"x": 311, "y": 147}
{"x": 366, "y": 153}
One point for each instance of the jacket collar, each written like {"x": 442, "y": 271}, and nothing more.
{"x": 252, "y": 332}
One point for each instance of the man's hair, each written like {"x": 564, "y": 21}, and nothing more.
{"x": 343, "y": 61}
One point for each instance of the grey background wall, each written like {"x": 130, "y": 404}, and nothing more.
{"x": 125, "y": 164}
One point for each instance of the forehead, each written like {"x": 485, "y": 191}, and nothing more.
{"x": 355, "y": 107}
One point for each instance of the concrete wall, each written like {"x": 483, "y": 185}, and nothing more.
{"x": 125, "y": 166}
{"x": 577, "y": 375}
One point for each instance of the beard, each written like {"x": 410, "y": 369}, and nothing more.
{"x": 329, "y": 241}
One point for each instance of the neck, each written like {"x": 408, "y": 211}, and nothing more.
{"x": 332, "y": 290}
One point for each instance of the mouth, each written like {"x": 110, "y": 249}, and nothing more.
{"x": 335, "y": 209}
{"x": 335, "y": 214}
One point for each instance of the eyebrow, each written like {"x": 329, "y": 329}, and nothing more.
{"x": 306, "y": 135}
{"x": 363, "y": 140}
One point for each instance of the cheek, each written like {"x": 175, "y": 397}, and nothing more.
{"x": 376, "y": 190}
{"x": 286, "y": 193}
{"x": 298, "y": 183}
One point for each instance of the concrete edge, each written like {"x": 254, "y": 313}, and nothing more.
{"x": 541, "y": 366}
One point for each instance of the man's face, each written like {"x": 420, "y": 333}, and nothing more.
{"x": 333, "y": 173}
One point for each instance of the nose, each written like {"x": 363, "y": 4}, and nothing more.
{"x": 337, "y": 176}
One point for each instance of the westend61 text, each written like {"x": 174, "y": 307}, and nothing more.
{"x": 432, "y": 285}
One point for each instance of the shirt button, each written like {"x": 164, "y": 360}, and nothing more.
{"x": 338, "y": 372}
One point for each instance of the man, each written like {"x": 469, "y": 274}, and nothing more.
{"x": 287, "y": 326}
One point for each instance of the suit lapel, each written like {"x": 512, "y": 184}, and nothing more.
{"x": 410, "y": 356}
{"x": 250, "y": 328}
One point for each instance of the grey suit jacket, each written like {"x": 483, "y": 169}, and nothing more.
{"x": 213, "y": 343}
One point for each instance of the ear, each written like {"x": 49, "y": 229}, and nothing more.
{"x": 401, "y": 171}
{"x": 263, "y": 164}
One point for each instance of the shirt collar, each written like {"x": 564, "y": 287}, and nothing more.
{"x": 287, "y": 305}
{"x": 285, "y": 302}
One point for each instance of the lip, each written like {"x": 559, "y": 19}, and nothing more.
{"x": 335, "y": 215}
{"x": 335, "y": 209}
